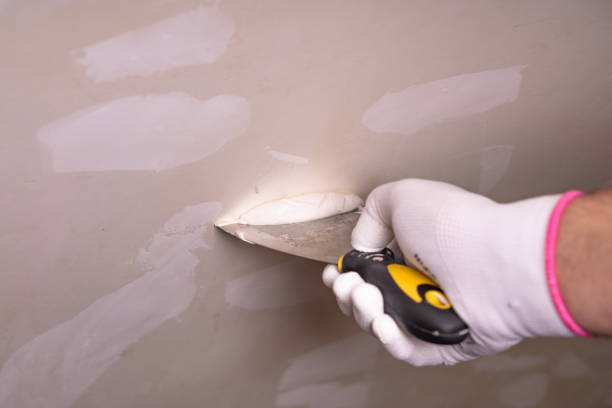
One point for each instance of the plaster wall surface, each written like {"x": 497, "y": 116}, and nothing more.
{"x": 127, "y": 128}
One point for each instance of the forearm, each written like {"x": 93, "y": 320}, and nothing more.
{"x": 584, "y": 261}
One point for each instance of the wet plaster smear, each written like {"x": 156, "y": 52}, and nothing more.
{"x": 318, "y": 377}
{"x": 150, "y": 132}
{"x": 286, "y": 157}
{"x": 190, "y": 38}
{"x": 420, "y": 106}
{"x": 494, "y": 162}
{"x": 53, "y": 369}
{"x": 283, "y": 285}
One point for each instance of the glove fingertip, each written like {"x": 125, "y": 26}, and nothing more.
{"x": 343, "y": 287}
{"x": 330, "y": 274}
{"x": 344, "y": 284}
{"x": 385, "y": 329}
{"x": 370, "y": 234}
{"x": 405, "y": 347}
{"x": 368, "y": 296}
{"x": 367, "y": 305}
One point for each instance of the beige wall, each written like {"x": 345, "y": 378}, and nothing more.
{"x": 128, "y": 127}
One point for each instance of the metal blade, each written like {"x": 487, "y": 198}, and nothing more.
{"x": 325, "y": 240}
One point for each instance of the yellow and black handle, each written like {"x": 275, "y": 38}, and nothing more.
{"x": 415, "y": 302}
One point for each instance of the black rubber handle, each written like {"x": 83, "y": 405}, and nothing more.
{"x": 413, "y": 300}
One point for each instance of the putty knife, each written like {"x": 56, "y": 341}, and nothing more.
{"x": 413, "y": 300}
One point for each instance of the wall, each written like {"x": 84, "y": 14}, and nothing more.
{"x": 128, "y": 127}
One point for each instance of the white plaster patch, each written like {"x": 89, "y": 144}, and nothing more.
{"x": 287, "y": 157}
{"x": 328, "y": 395}
{"x": 152, "y": 132}
{"x": 527, "y": 391}
{"x": 355, "y": 354}
{"x": 494, "y": 162}
{"x": 571, "y": 366}
{"x": 504, "y": 363}
{"x": 53, "y": 369}
{"x": 423, "y": 105}
{"x": 282, "y": 285}
{"x": 190, "y": 38}
{"x": 301, "y": 208}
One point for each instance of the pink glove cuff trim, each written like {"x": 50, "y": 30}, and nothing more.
{"x": 551, "y": 269}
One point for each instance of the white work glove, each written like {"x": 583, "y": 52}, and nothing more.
{"x": 487, "y": 257}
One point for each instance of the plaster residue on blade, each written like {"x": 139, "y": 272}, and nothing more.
{"x": 323, "y": 240}
{"x": 306, "y": 207}
{"x": 316, "y": 233}
{"x": 314, "y": 226}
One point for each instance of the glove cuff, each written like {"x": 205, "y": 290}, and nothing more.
{"x": 551, "y": 268}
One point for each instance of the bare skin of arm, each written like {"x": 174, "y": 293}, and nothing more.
{"x": 584, "y": 261}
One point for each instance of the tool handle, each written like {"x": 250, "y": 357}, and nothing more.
{"x": 413, "y": 300}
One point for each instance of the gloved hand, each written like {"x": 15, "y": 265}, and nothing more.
{"x": 489, "y": 258}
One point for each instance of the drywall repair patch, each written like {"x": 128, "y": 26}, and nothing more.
{"x": 286, "y": 157}
{"x": 494, "y": 162}
{"x": 53, "y": 369}
{"x": 347, "y": 356}
{"x": 191, "y": 38}
{"x": 329, "y": 395}
{"x": 423, "y": 105}
{"x": 284, "y": 285}
{"x": 150, "y": 132}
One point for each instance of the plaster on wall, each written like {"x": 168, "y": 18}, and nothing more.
{"x": 350, "y": 355}
{"x": 306, "y": 72}
{"x": 328, "y": 395}
{"x": 54, "y": 368}
{"x": 312, "y": 378}
{"x": 423, "y": 105}
{"x": 190, "y": 38}
{"x": 281, "y": 285}
{"x": 494, "y": 162}
{"x": 132, "y": 133}
{"x": 291, "y": 158}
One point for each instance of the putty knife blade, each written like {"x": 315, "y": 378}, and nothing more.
{"x": 325, "y": 239}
